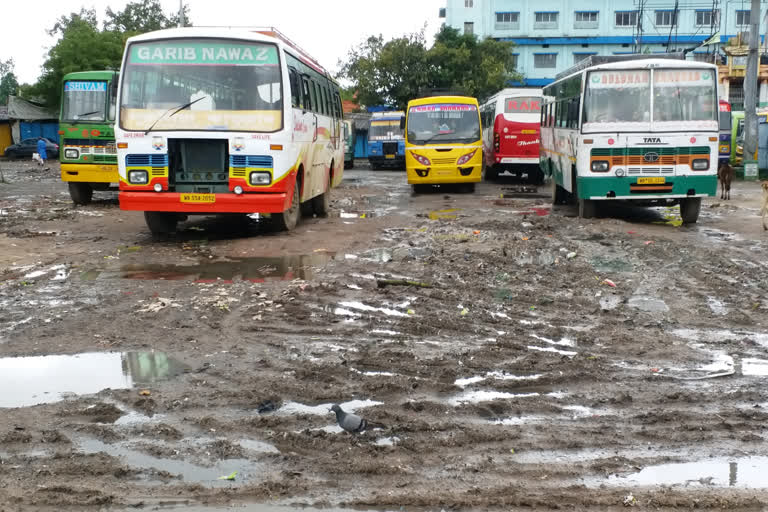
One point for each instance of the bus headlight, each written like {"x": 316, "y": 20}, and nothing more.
{"x": 700, "y": 164}
{"x": 138, "y": 177}
{"x": 600, "y": 166}
{"x": 71, "y": 154}
{"x": 260, "y": 178}
{"x": 421, "y": 159}
{"x": 466, "y": 158}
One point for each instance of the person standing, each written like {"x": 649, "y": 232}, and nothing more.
{"x": 41, "y": 150}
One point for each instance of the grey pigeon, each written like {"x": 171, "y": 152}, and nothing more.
{"x": 352, "y": 422}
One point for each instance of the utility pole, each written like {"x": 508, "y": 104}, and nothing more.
{"x": 181, "y": 13}
{"x": 750, "y": 87}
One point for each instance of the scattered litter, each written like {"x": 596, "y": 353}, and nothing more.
{"x": 570, "y": 255}
{"x": 230, "y": 476}
{"x": 145, "y": 392}
{"x": 609, "y": 283}
{"x": 629, "y": 501}
{"x": 160, "y": 303}
{"x": 648, "y": 242}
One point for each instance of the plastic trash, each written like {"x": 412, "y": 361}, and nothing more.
{"x": 629, "y": 501}
{"x": 570, "y": 255}
{"x": 230, "y": 476}
{"x": 609, "y": 283}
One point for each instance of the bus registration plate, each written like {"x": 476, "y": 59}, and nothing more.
{"x": 650, "y": 181}
{"x": 198, "y": 198}
{"x": 389, "y": 156}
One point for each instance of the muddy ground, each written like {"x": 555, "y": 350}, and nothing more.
{"x": 513, "y": 374}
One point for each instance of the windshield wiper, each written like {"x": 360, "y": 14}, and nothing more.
{"x": 89, "y": 113}
{"x": 176, "y": 110}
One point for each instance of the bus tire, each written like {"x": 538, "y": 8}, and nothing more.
{"x": 587, "y": 208}
{"x": 161, "y": 223}
{"x": 689, "y": 209}
{"x": 81, "y": 193}
{"x": 559, "y": 195}
{"x": 322, "y": 203}
{"x": 422, "y": 189}
{"x": 287, "y": 220}
{"x": 468, "y": 188}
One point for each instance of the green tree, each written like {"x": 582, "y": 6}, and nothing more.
{"x": 8, "y": 83}
{"x": 143, "y": 16}
{"x": 474, "y": 67}
{"x": 81, "y": 47}
{"x": 388, "y": 73}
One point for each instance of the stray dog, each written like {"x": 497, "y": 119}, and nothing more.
{"x": 724, "y": 176}
{"x": 764, "y": 209}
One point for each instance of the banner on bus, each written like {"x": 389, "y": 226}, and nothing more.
{"x": 184, "y": 52}
{"x": 522, "y": 105}
{"x": 226, "y": 120}
{"x": 619, "y": 78}
{"x": 444, "y": 108}
{"x": 683, "y": 78}
{"x": 85, "y": 86}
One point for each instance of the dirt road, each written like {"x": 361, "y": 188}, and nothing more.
{"x": 541, "y": 361}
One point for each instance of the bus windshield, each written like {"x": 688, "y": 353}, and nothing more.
{"x": 385, "y": 130}
{"x": 682, "y": 98}
{"x": 444, "y": 123}
{"x": 84, "y": 100}
{"x": 229, "y": 86}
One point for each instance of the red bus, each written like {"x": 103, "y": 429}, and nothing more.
{"x": 511, "y": 123}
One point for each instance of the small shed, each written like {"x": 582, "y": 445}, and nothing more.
{"x": 362, "y": 121}
{"x": 5, "y": 130}
{"x": 29, "y": 120}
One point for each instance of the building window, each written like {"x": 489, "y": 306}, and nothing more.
{"x": 578, "y": 57}
{"x": 742, "y": 18}
{"x": 507, "y": 20}
{"x": 469, "y": 3}
{"x": 515, "y": 57}
{"x": 545, "y": 60}
{"x": 707, "y": 18}
{"x": 545, "y": 20}
{"x": 666, "y": 18}
{"x": 626, "y": 18}
{"x": 469, "y": 27}
{"x": 585, "y": 19}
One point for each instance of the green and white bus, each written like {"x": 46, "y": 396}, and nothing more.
{"x": 632, "y": 128}
{"x": 86, "y": 129}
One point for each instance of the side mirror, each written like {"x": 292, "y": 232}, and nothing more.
{"x": 402, "y": 123}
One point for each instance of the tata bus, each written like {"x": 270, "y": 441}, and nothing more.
{"x": 511, "y": 129}
{"x": 443, "y": 142}
{"x": 386, "y": 143}
{"x": 86, "y": 128}
{"x": 350, "y": 138}
{"x": 223, "y": 120}
{"x": 630, "y": 128}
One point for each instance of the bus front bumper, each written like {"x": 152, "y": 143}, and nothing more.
{"x": 437, "y": 175}
{"x": 627, "y": 188}
{"x": 223, "y": 203}
{"x": 90, "y": 173}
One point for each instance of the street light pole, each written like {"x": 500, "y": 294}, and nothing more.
{"x": 750, "y": 85}
{"x": 181, "y": 13}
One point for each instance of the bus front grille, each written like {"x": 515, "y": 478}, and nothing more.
{"x": 634, "y": 171}
{"x": 389, "y": 148}
{"x": 443, "y": 161}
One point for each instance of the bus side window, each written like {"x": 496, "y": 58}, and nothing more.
{"x": 309, "y": 96}
{"x": 295, "y": 88}
{"x": 339, "y": 109}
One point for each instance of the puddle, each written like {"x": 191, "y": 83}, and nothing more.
{"x": 449, "y": 214}
{"x": 358, "y": 215}
{"x": 648, "y": 304}
{"x": 48, "y": 379}
{"x": 722, "y": 336}
{"x": 189, "y": 473}
{"x": 717, "y": 306}
{"x": 610, "y": 302}
{"x": 754, "y": 367}
{"x": 257, "y": 270}
{"x": 325, "y": 409}
{"x": 382, "y": 255}
{"x": 494, "y": 375}
{"x": 746, "y": 472}
{"x": 568, "y": 353}
{"x": 359, "y": 306}
{"x": 166, "y": 505}
{"x": 487, "y": 396}
{"x": 719, "y": 235}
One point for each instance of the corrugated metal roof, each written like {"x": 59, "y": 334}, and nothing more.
{"x": 19, "y": 108}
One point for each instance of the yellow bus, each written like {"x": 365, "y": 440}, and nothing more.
{"x": 443, "y": 142}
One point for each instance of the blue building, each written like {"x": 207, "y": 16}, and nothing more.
{"x": 552, "y": 35}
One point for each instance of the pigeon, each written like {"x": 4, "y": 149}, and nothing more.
{"x": 352, "y": 422}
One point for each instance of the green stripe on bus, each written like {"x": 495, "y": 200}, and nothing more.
{"x": 602, "y": 186}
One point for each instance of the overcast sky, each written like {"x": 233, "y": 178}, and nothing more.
{"x": 326, "y": 29}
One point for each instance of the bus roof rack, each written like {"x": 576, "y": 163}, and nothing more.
{"x": 594, "y": 60}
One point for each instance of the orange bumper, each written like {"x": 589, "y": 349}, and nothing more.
{"x": 224, "y": 203}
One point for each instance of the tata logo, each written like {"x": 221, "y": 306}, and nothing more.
{"x": 651, "y": 157}
{"x": 651, "y": 140}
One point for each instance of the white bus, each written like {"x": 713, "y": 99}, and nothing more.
{"x": 511, "y": 125}
{"x": 640, "y": 130}
{"x": 221, "y": 120}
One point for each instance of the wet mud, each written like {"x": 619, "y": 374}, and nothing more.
{"x": 511, "y": 355}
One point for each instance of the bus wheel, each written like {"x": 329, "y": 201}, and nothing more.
{"x": 81, "y": 193}
{"x": 161, "y": 223}
{"x": 559, "y": 195}
{"x": 689, "y": 209}
{"x": 322, "y": 203}
{"x": 587, "y": 208}
{"x": 468, "y": 188}
{"x": 421, "y": 189}
{"x": 287, "y": 220}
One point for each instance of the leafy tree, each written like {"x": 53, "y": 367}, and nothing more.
{"x": 143, "y": 16}
{"x": 81, "y": 47}
{"x": 401, "y": 69}
{"x": 388, "y": 73}
{"x": 8, "y": 83}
